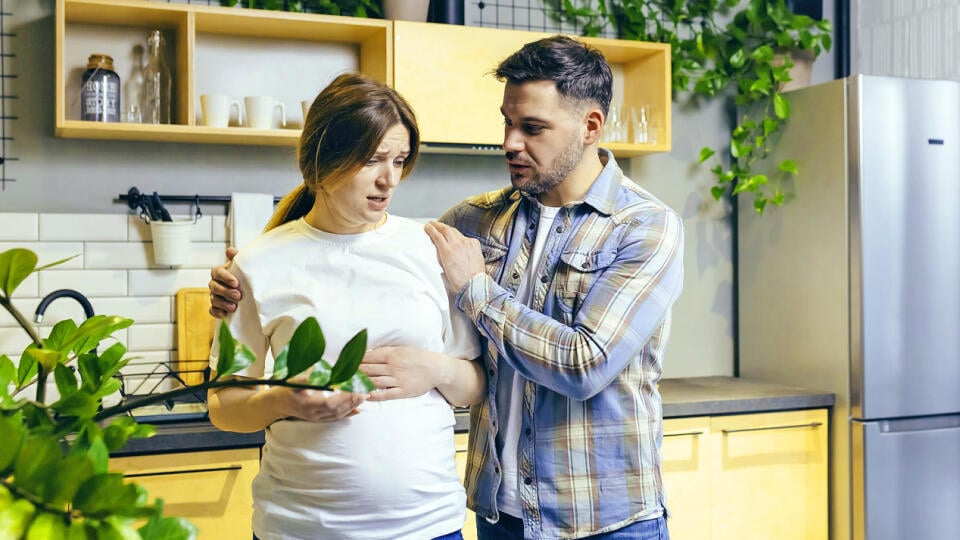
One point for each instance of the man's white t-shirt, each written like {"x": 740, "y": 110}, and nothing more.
{"x": 388, "y": 472}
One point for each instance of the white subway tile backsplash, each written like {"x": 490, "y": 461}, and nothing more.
{"x": 219, "y": 226}
{"x": 116, "y": 271}
{"x": 142, "y": 309}
{"x": 48, "y": 252}
{"x": 19, "y": 226}
{"x": 146, "y": 337}
{"x": 117, "y": 255}
{"x": 86, "y": 227}
{"x": 13, "y": 341}
{"x": 88, "y": 282}
{"x": 166, "y": 282}
{"x": 139, "y": 231}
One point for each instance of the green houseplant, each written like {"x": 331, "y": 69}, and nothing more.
{"x": 55, "y": 481}
{"x": 739, "y": 48}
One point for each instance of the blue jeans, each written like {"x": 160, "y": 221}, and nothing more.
{"x": 511, "y": 528}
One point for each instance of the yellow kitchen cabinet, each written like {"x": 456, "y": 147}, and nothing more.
{"x": 686, "y": 476}
{"x": 747, "y": 476}
{"x": 212, "y": 49}
{"x": 469, "y": 525}
{"x": 210, "y": 489}
{"x": 769, "y": 476}
{"x": 445, "y": 72}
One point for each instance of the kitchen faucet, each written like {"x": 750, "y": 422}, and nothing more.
{"x": 87, "y": 307}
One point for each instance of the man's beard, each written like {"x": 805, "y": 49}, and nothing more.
{"x": 560, "y": 167}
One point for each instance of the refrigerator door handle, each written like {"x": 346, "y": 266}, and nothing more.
{"x": 791, "y": 426}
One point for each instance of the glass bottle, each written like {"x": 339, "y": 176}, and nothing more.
{"x": 155, "y": 103}
{"x": 133, "y": 88}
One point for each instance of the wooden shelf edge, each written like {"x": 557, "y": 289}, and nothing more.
{"x": 76, "y": 129}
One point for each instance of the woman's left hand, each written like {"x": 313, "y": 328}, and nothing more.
{"x": 400, "y": 372}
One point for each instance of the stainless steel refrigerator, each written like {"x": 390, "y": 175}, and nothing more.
{"x": 853, "y": 286}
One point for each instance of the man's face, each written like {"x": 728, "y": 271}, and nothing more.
{"x": 543, "y": 136}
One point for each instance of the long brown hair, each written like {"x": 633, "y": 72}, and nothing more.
{"x": 342, "y": 130}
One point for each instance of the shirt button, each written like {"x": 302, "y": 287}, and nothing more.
{"x": 533, "y": 226}
{"x": 559, "y": 229}
{"x": 496, "y": 470}
{"x": 516, "y": 275}
{"x": 527, "y": 431}
{"x": 490, "y": 371}
{"x": 585, "y": 265}
{"x": 528, "y": 480}
{"x": 544, "y": 279}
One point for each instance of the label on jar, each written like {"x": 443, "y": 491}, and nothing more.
{"x": 100, "y": 96}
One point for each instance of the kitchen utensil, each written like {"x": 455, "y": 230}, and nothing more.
{"x": 195, "y": 327}
{"x": 162, "y": 212}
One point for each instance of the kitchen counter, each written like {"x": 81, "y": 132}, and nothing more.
{"x": 693, "y": 396}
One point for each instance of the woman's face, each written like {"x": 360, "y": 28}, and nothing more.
{"x": 360, "y": 204}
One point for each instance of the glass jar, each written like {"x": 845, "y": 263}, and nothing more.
{"x": 100, "y": 90}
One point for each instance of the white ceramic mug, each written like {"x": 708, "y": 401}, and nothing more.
{"x": 260, "y": 112}
{"x": 216, "y": 110}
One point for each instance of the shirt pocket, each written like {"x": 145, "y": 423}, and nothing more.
{"x": 493, "y": 256}
{"x": 578, "y": 271}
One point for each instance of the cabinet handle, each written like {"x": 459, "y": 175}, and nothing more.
{"x": 185, "y": 471}
{"x": 684, "y": 434}
{"x": 792, "y": 426}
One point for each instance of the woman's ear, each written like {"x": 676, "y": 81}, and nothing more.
{"x": 593, "y": 122}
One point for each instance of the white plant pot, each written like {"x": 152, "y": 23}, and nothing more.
{"x": 406, "y": 10}
{"x": 171, "y": 241}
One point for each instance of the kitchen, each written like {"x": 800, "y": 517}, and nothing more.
{"x": 115, "y": 269}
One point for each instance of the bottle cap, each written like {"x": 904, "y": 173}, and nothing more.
{"x": 102, "y": 61}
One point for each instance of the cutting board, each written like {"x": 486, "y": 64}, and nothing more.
{"x": 195, "y": 327}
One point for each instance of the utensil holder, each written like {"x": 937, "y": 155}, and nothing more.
{"x": 171, "y": 241}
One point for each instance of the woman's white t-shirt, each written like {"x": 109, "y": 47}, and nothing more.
{"x": 388, "y": 472}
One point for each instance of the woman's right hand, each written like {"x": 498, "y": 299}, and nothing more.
{"x": 318, "y": 405}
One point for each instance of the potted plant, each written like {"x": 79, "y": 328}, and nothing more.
{"x": 55, "y": 481}
{"x": 743, "y": 48}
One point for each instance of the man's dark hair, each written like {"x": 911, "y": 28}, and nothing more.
{"x": 579, "y": 71}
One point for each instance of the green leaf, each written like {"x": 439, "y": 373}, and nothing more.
{"x": 320, "y": 376}
{"x": 98, "y": 453}
{"x": 105, "y": 494}
{"x": 65, "y": 379}
{"x": 738, "y": 58}
{"x": 12, "y": 434}
{"x": 72, "y": 471}
{"x": 56, "y": 263}
{"x": 80, "y": 404}
{"x": 116, "y": 435}
{"x": 717, "y": 192}
{"x": 788, "y": 166}
{"x": 37, "y": 461}
{"x": 778, "y": 198}
{"x": 350, "y": 357}
{"x": 15, "y": 265}
{"x": 94, "y": 330}
{"x": 226, "y": 351}
{"x": 59, "y": 334}
{"x": 27, "y": 367}
{"x": 280, "y": 363}
{"x": 357, "y": 384}
{"x": 759, "y": 203}
{"x": 305, "y": 347}
{"x": 781, "y": 106}
{"x": 8, "y": 373}
{"x": 706, "y": 153}
{"x": 168, "y": 528}
{"x": 45, "y": 357}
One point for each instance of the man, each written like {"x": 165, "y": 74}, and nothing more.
{"x": 569, "y": 275}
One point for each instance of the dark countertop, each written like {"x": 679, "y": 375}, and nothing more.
{"x": 693, "y": 396}
{"x": 709, "y": 396}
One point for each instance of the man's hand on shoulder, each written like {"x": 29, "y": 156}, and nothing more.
{"x": 460, "y": 257}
